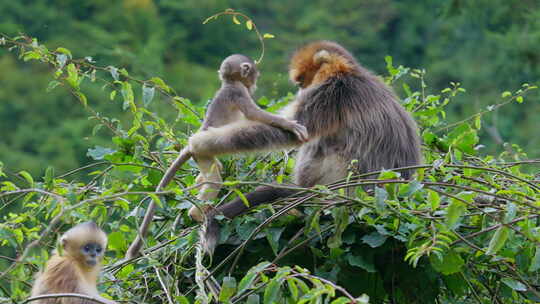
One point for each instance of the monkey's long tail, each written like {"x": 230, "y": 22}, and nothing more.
{"x": 261, "y": 195}
{"x": 135, "y": 247}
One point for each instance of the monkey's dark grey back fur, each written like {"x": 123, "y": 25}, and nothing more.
{"x": 359, "y": 118}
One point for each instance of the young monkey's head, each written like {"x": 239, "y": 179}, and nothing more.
{"x": 86, "y": 243}
{"x": 317, "y": 61}
{"x": 241, "y": 68}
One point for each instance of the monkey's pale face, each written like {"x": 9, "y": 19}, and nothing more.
{"x": 92, "y": 253}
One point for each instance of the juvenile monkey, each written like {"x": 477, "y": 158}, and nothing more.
{"x": 231, "y": 111}
{"x": 76, "y": 269}
{"x": 233, "y": 104}
{"x": 349, "y": 113}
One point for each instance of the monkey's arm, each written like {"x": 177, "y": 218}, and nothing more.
{"x": 252, "y": 112}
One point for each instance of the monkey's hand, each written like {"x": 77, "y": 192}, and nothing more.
{"x": 299, "y": 130}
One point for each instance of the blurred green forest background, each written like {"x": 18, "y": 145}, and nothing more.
{"x": 487, "y": 45}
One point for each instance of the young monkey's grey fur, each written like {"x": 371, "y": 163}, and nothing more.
{"x": 232, "y": 107}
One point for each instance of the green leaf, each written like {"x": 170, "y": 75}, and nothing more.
{"x": 246, "y": 282}
{"x": 73, "y": 76}
{"x": 273, "y": 235}
{"x": 380, "y": 197}
{"x": 181, "y": 299}
{"x": 434, "y": 199}
{"x": 293, "y": 289}
{"x": 515, "y": 285}
{"x": 450, "y": 263}
{"x": 506, "y": 94}
{"x": 253, "y": 299}
{"x": 112, "y": 95}
{"x": 27, "y": 177}
{"x": 341, "y": 300}
{"x": 498, "y": 240}
{"x": 49, "y": 176}
{"x": 53, "y": 84}
{"x": 519, "y": 99}
{"x": 271, "y": 292}
{"x": 268, "y": 36}
{"x": 147, "y": 94}
{"x": 457, "y": 208}
{"x": 227, "y": 289}
{"x": 235, "y": 20}
{"x": 249, "y": 25}
{"x": 535, "y": 263}
{"x": 242, "y": 197}
{"x": 114, "y": 73}
{"x": 129, "y": 98}
{"x": 359, "y": 261}
{"x": 82, "y": 98}
{"x": 99, "y": 152}
{"x": 374, "y": 239}
{"x": 161, "y": 84}
{"x": 31, "y": 55}
{"x": 117, "y": 241}
{"x": 64, "y": 51}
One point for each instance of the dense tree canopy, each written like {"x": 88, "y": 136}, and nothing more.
{"x": 98, "y": 96}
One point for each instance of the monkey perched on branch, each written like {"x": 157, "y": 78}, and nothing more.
{"x": 75, "y": 269}
{"x": 231, "y": 109}
{"x": 350, "y": 114}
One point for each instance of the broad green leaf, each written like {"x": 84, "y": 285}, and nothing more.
{"x": 515, "y": 285}
{"x": 114, "y": 73}
{"x": 181, "y": 299}
{"x": 273, "y": 235}
{"x": 293, "y": 289}
{"x": 64, "y": 51}
{"x": 253, "y": 299}
{"x": 242, "y": 197}
{"x": 498, "y": 240}
{"x": 341, "y": 300}
{"x": 147, "y": 94}
{"x": 31, "y": 55}
{"x": 249, "y": 25}
{"x": 434, "y": 199}
{"x": 53, "y": 84}
{"x": 129, "y": 98}
{"x": 374, "y": 239}
{"x": 73, "y": 76}
{"x": 99, "y": 152}
{"x": 506, "y": 94}
{"x": 227, "y": 289}
{"x": 450, "y": 263}
{"x": 235, "y": 20}
{"x": 535, "y": 263}
{"x": 29, "y": 179}
{"x": 161, "y": 84}
{"x": 457, "y": 208}
{"x": 271, "y": 292}
{"x": 380, "y": 199}
{"x": 359, "y": 261}
{"x": 117, "y": 241}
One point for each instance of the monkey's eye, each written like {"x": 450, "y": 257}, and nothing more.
{"x": 86, "y": 248}
{"x": 98, "y": 249}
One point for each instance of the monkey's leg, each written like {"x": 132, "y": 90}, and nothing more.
{"x": 135, "y": 247}
{"x": 210, "y": 171}
{"x": 261, "y": 195}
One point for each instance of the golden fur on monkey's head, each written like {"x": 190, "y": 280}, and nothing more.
{"x": 84, "y": 233}
{"x": 317, "y": 61}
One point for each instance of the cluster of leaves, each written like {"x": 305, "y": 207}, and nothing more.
{"x": 465, "y": 229}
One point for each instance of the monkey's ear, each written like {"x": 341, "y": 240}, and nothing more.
{"x": 321, "y": 56}
{"x": 245, "y": 69}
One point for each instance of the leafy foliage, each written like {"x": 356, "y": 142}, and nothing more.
{"x": 465, "y": 229}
